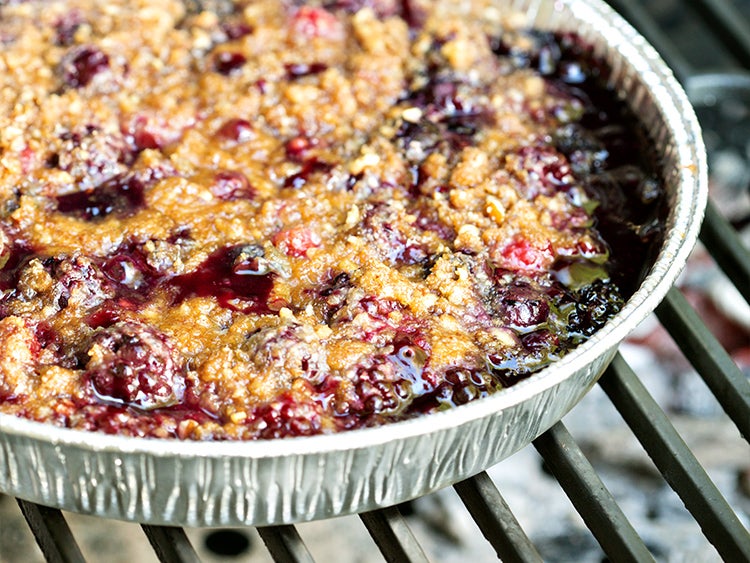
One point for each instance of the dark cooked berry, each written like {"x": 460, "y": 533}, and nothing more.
{"x": 298, "y": 70}
{"x": 128, "y": 267}
{"x": 231, "y": 185}
{"x": 236, "y": 29}
{"x": 595, "y": 304}
{"x": 538, "y": 349}
{"x": 14, "y": 257}
{"x": 541, "y": 169}
{"x": 238, "y": 130}
{"x": 80, "y": 65}
{"x": 66, "y": 27}
{"x": 234, "y": 276}
{"x": 310, "y": 167}
{"x": 133, "y": 364}
{"x": 460, "y": 385}
{"x": 586, "y": 153}
{"x": 122, "y": 196}
{"x": 413, "y": 13}
{"x": 387, "y": 382}
{"x": 540, "y": 343}
{"x": 539, "y": 50}
{"x": 229, "y": 63}
{"x": 522, "y": 307}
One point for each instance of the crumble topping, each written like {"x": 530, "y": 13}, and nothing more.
{"x": 272, "y": 219}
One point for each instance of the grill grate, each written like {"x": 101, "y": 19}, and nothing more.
{"x": 726, "y": 24}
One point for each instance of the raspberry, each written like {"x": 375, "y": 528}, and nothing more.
{"x": 522, "y": 255}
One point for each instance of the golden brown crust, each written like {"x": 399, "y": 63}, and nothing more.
{"x": 282, "y": 221}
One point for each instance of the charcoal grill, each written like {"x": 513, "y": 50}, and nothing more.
{"x": 723, "y": 28}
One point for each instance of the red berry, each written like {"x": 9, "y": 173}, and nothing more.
{"x": 520, "y": 254}
{"x": 238, "y": 130}
{"x": 297, "y": 241}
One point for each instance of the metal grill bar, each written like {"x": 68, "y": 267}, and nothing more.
{"x": 676, "y": 462}
{"x": 52, "y": 533}
{"x": 730, "y": 23}
{"x": 727, "y": 250}
{"x": 590, "y": 497}
{"x": 393, "y": 536}
{"x": 637, "y": 15}
{"x": 495, "y": 520}
{"x": 285, "y": 544}
{"x": 728, "y": 384}
{"x": 170, "y": 544}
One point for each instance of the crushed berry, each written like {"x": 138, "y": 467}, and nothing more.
{"x": 231, "y": 275}
{"x": 120, "y": 196}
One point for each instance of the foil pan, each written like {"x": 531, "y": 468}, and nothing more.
{"x": 291, "y": 480}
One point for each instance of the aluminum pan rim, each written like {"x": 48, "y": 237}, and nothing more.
{"x": 672, "y": 106}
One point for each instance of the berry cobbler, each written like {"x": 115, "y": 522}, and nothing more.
{"x": 265, "y": 219}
